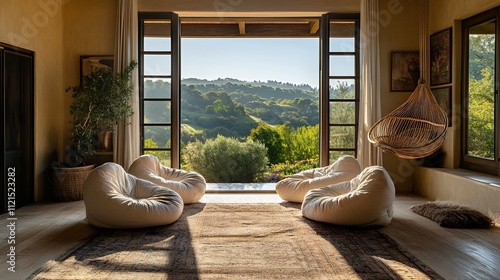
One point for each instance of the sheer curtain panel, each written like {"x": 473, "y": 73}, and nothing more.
{"x": 127, "y": 137}
{"x": 369, "y": 107}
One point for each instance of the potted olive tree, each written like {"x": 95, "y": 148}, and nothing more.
{"x": 99, "y": 103}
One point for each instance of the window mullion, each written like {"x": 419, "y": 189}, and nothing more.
{"x": 159, "y": 103}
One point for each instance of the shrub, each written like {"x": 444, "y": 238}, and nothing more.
{"x": 280, "y": 171}
{"x": 270, "y": 137}
{"x": 301, "y": 143}
{"x": 226, "y": 160}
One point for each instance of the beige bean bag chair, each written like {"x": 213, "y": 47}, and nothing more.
{"x": 366, "y": 200}
{"x": 295, "y": 187}
{"x": 115, "y": 199}
{"x": 190, "y": 186}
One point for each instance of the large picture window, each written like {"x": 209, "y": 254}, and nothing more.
{"x": 176, "y": 111}
{"x": 481, "y": 122}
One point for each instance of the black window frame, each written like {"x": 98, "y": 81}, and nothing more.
{"x": 478, "y": 164}
{"x": 174, "y": 76}
{"x": 326, "y": 77}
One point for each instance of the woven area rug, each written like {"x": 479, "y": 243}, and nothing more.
{"x": 239, "y": 241}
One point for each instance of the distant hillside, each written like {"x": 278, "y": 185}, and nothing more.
{"x": 231, "y": 107}
{"x": 269, "y": 83}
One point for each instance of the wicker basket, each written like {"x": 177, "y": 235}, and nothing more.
{"x": 67, "y": 182}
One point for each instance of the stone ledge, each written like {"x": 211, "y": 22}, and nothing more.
{"x": 475, "y": 176}
{"x": 476, "y": 190}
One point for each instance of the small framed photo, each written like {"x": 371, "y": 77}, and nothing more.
{"x": 90, "y": 63}
{"x": 440, "y": 55}
{"x": 405, "y": 70}
{"x": 443, "y": 97}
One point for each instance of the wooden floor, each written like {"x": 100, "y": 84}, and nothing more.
{"x": 46, "y": 231}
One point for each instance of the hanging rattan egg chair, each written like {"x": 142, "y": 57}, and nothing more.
{"x": 417, "y": 128}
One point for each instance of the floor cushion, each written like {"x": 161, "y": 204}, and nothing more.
{"x": 366, "y": 200}
{"x": 452, "y": 215}
{"x": 116, "y": 199}
{"x": 190, "y": 186}
{"x": 295, "y": 187}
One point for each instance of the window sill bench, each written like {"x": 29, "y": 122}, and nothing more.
{"x": 473, "y": 189}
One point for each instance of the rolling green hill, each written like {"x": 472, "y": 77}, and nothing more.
{"x": 231, "y": 107}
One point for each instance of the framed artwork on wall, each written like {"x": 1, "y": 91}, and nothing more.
{"x": 90, "y": 63}
{"x": 440, "y": 55}
{"x": 443, "y": 97}
{"x": 405, "y": 70}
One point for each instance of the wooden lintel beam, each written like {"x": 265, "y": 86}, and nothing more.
{"x": 241, "y": 26}
{"x": 313, "y": 27}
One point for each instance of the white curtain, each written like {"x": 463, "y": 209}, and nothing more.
{"x": 126, "y": 137}
{"x": 370, "y": 111}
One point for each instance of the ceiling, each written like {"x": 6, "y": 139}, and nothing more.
{"x": 249, "y": 27}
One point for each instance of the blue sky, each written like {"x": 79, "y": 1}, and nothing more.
{"x": 293, "y": 60}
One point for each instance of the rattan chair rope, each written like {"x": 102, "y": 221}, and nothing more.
{"x": 417, "y": 128}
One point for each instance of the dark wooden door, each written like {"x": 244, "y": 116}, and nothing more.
{"x": 16, "y": 86}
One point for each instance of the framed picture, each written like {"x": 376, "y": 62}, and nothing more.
{"x": 443, "y": 97}
{"x": 90, "y": 63}
{"x": 405, "y": 70}
{"x": 440, "y": 53}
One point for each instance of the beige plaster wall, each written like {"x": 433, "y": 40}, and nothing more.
{"x": 399, "y": 31}
{"x": 37, "y": 26}
{"x": 88, "y": 29}
{"x": 58, "y": 31}
{"x": 443, "y": 13}
{"x": 439, "y": 184}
